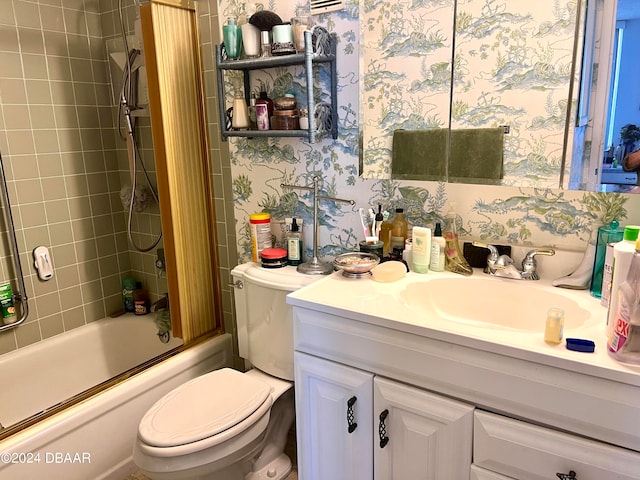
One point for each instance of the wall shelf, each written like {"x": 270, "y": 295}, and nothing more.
{"x": 320, "y": 48}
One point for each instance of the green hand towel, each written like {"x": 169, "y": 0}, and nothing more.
{"x": 476, "y": 155}
{"x": 420, "y": 154}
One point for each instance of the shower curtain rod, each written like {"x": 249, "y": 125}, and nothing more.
{"x": 20, "y": 296}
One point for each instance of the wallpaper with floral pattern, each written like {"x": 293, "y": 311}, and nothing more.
{"x": 516, "y": 215}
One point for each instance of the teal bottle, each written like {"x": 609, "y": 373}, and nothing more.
{"x": 232, "y": 36}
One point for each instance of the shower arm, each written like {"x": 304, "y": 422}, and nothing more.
{"x": 315, "y": 266}
{"x": 20, "y": 295}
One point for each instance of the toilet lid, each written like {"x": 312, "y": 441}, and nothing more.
{"x": 202, "y": 407}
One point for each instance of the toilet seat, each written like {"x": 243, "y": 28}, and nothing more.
{"x": 206, "y": 410}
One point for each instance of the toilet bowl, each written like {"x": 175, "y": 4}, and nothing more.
{"x": 226, "y": 424}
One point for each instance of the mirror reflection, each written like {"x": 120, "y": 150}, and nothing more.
{"x": 513, "y": 65}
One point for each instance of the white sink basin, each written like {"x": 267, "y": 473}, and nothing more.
{"x": 491, "y": 302}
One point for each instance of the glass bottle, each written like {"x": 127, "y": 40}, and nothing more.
{"x": 399, "y": 233}
{"x": 232, "y": 36}
{"x": 265, "y": 42}
{"x": 300, "y": 23}
{"x": 240, "y": 118}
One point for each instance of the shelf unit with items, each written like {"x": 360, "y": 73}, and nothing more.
{"x": 320, "y": 48}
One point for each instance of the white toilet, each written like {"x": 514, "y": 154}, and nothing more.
{"x": 226, "y": 424}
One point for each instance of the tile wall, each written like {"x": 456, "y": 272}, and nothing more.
{"x": 66, "y": 163}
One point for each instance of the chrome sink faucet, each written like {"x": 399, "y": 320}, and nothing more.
{"x": 503, "y": 265}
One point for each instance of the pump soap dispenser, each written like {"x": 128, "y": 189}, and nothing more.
{"x": 454, "y": 260}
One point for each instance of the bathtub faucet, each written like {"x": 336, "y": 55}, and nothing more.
{"x": 162, "y": 318}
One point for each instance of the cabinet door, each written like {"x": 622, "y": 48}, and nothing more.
{"x": 420, "y": 436}
{"x": 333, "y": 420}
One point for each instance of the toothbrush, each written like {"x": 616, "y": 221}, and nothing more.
{"x": 365, "y": 224}
{"x": 379, "y": 218}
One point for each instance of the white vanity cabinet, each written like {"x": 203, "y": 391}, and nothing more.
{"x": 458, "y": 409}
{"x": 358, "y": 426}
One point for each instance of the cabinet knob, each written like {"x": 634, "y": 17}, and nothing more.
{"x": 567, "y": 476}
{"x": 382, "y": 429}
{"x": 351, "y": 424}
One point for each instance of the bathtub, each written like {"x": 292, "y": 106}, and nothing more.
{"x": 92, "y": 439}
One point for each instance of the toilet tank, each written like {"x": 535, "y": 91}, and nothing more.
{"x": 264, "y": 320}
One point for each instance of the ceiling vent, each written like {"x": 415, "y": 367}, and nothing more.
{"x": 325, "y": 6}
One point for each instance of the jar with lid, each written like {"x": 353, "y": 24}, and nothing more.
{"x": 300, "y": 23}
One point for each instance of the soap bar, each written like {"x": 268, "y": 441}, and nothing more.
{"x": 388, "y": 272}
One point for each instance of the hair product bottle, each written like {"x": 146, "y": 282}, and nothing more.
{"x": 399, "y": 233}
{"x": 385, "y": 235}
{"x": 141, "y": 302}
{"x": 294, "y": 244}
{"x": 438, "y": 244}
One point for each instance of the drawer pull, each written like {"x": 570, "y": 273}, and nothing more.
{"x": 352, "y": 425}
{"x": 382, "y": 429}
{"x": 567, "y": 476}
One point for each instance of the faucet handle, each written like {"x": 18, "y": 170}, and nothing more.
{"x": 529, "y": 262}
{"x": 492, "y": 259}
{"x": 493, "y": 251}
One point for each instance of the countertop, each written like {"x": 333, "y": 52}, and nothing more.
{"x": 365, "y": 300}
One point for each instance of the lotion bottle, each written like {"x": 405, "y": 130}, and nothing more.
{"x": 436, "y": 263}
{"x": 421, "y": 250}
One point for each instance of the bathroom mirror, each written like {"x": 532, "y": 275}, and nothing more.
{"x": 513, "y": 65}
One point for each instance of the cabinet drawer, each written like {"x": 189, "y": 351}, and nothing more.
{"x": 529, "y": 452}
